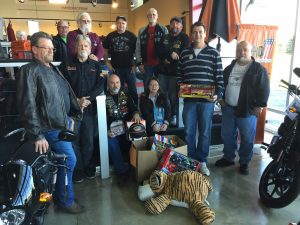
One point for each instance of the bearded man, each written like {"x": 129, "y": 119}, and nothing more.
{"x": 84, "y": 75}
{"x": 247, "y": 90}
{"x": 84, "y": 23}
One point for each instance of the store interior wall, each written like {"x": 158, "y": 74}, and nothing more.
{"x": 47, "y": 14}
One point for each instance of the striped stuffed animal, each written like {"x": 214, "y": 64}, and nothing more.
{"x": 186, "y": 188}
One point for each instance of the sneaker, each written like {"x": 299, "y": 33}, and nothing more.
{"x": 204, "y": 170}
{"x": 78, "y": 176}
{"x": 244, "y": 170}
{"x": 90, "y": 173}
{"x": 75, "y": 208}
{"x": 223, "y": 163}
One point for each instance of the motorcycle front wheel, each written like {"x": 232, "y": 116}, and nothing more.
{"x": 279, "y": 184}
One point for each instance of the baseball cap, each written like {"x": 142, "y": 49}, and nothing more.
{"x": 121, "y": 17}
{"x": 177, "y": 19}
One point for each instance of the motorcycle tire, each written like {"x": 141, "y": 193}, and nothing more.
{"x": 280, "y": 189}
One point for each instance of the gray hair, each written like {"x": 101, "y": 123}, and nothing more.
{"x": 81, "y": 37}
{"x": 34, "y": 39}
{"x": 82, "y": 14}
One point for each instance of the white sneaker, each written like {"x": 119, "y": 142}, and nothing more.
{"x": 204, "y": 170}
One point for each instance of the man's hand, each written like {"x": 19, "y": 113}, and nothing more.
{"x": 84, "y": 102}
{"x": 92, "y": 56}
{"x": 156, "y": 127}
{"x": 257, "y": 111}
{"x": 222, "y": 103}
{"x": 164, "y": 127}
{"x": 136, "y": 117}
{"x": 174, "y": 56}
{"x": 213, "y": 99}
{"x": 41, "y": 146}
{"x": 142, "y": 68}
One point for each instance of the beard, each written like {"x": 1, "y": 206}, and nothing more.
{"x": 114, "y": 90}
{"x": 86, "y": 28}
{"x": 244, "y": 60}
{"x": 83, "y": 54}
{"x": 48, "y": 58}
{"x": 152, "y": 20}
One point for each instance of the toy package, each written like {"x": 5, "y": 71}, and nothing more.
{"x": 172, "y": 161}
{"x": 160, "y": 143}
{"x": 196, "y": 91}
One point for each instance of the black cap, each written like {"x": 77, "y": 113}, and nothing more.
{"x": 177, "y": 19}
{"x": 121, "y": 17}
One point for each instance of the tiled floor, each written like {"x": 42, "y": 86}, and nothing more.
{"x": 235, "y": 200}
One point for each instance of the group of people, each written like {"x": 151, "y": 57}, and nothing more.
{"x": 56, "y": 98}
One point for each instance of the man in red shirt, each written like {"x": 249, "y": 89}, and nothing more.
{"x": 147, "y": 45}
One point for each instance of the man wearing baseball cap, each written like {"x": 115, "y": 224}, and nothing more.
{"x": 120, "y": 44}
{"x": 172, "y": 45}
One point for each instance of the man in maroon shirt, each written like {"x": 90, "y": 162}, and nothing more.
{"x": 147, "y": 45}
{"x": 84, "y": 23}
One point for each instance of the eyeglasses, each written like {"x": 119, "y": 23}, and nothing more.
{"x": 47, "y": 48}
{"x": 86, "y": 21}
{"x": 64, "y": 27}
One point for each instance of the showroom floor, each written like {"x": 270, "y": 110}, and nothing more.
{"x": 235, "y": 200}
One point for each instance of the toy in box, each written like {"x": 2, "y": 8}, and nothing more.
{"x": 196, "y": 91}
{"x": 160, "y": 143}
{"x": 172, "y": 161}
{"x": 136, "y": 131}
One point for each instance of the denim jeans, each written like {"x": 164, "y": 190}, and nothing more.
{"x": 150, "y": 71}
{"x": 198, "y": 113}
{"x": 127, "y": 76}
{"x": 230, "y": 126}
{"x": 168, "y": 84}
{"x": 63, "y": 194}
{"x": 116, "y": 154}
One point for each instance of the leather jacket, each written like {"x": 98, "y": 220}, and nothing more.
{"x": 41, "y": 105}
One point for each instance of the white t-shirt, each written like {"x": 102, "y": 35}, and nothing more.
{"x": 234, "y": 83}
{"x": 197, "y": 51}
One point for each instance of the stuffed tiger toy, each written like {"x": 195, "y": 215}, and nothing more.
{"x": 186, "y": 188}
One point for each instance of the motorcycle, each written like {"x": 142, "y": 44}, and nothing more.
{"x": 27, "y": 180}
{"x": 280, "y": 182}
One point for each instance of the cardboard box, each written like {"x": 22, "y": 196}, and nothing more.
{"x": 172, "y": 161}
{"x": 144, "y": 160}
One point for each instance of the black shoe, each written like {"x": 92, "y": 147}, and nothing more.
{"x": 75, "y": 208}
{"x": 90, "y": 173}
{"x": 244, "y": 169}
{"x": 123, "y": 179}
{"x": 223, "y": 163}
{"x": 78, "y": 176}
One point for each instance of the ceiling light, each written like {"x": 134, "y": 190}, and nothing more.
{"x": 114, "y": 4}
{"x": 132, "y": 4}
{"x": 113, "y": 26}
{"x": 58, "y": 1}
{"x": 21, "y": 1}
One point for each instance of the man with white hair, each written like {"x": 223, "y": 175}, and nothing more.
{"x": 147, "y": 46}
{"x": 87, "y": 81}
{"x": 247, "y": 90}
{"x": 84, "y": 23}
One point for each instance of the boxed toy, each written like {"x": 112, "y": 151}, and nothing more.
{"x": 136, "y": 131}
{"x": 196, "y": 91}
{"x": 160, "y": 143}
{"x": 144, "y": 160}
{"x": 21, "y": 49}
{"x": 172, "y": 161}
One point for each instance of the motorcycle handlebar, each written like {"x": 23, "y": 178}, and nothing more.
{"x": 54, "y": 156}
{"x": 293, "y": 88}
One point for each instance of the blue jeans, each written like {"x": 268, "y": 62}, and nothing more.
{"x": 198, "y": 113}
{"x": 63, "y": 194}
{"x": 116, "y": 154}
{"x": 150, "y": 71}
{"x": 168, "y": 84}
{"x": 230, "y": 126}
{"x": 128, "y": 77}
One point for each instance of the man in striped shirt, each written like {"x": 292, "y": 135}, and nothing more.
{"x": 200, "y": 65}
